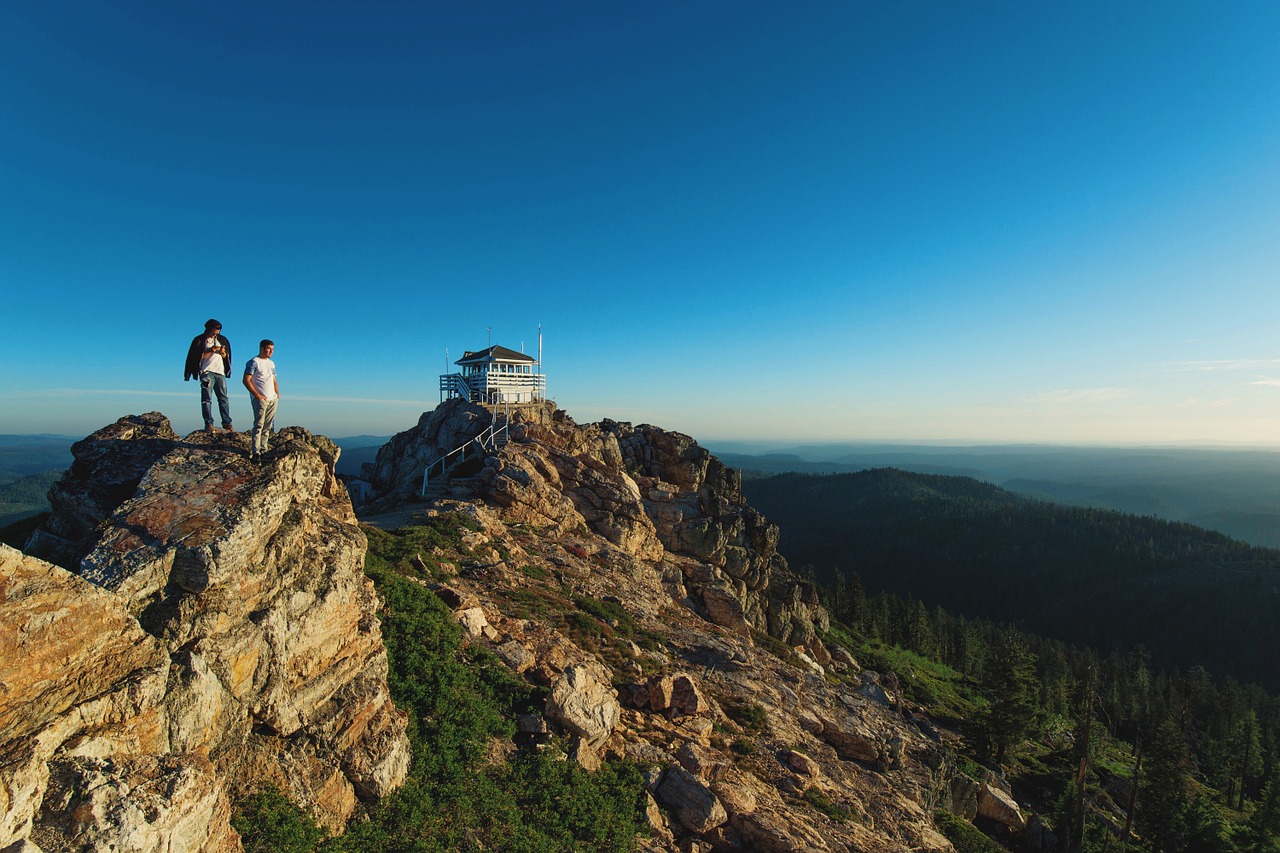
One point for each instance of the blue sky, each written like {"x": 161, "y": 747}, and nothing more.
{"x": 900, "y": 221}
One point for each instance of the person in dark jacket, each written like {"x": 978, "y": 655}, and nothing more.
{"x": 209, "y": 360}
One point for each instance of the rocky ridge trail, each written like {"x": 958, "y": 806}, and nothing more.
{"x": 185, "y": 628}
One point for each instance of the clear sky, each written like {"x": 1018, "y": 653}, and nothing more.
{"x": 1045, "y": 222}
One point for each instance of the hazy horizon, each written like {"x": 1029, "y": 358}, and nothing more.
{"x": 1006, "y": 223}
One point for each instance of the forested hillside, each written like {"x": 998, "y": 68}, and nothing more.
{"x": 26, "y": 496}
{"x": 1092, "y": 577}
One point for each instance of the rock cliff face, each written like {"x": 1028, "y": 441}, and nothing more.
{"x": 759, "y": 736}
{"x": 190, "y": 626}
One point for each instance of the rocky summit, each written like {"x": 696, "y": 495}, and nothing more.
{"x": 186, "y": 627}
{"x": 189, "y": 627}
{"x": 757, "y": 734}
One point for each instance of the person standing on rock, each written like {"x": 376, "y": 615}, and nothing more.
{"x": 260, "y": 379}
{"x": 209, "y": 360}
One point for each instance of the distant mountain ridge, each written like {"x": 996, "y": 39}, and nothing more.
{"x": 1088, "y": 576}
{"x": 1236, "y": 492}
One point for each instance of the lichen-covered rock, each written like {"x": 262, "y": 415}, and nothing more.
{"x": 583, "y": 705}
{"x": 694, "y": 804}
{"x": 146, "y": 803}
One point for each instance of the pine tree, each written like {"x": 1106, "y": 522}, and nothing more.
{"x": 1012, "y": 687}
{"x": 1161, "y": 807}
{"x": 1262, "y": 835}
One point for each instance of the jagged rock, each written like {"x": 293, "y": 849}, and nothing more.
{"x": 203, "y": 715}
{"x": 516, "y": 655}
{"x": 1039, "y": 836}
{"x": 873, "y": 690}
{"x": 693, "y": 803}
{"x": 472, "y": 620}
{"x": 68, "y": 643}
{"x": 584, "y": 755}
{"x": 221, "y": 611}
{"x": 687, "y": 699}
{"x": 963, "y": 794}
{"x": 996, "y": 803}
{"x": 802, "y": 763}
{"x": 583, "y": 705}
{"x": 676, "y": 695}
{"x": 770, "y": 829}
{"x": 656, "y": 820}
{"x": 737, "y": 792}
{"x": 647, "y": 519}
{"x": 852, "y": 739}
{"x": 143, "y": 804}
{"x": 106, "y": 470}
{"x": 454, "y": 599}
{"x": 567, "y": 476}
{"x": 841, "y": 655}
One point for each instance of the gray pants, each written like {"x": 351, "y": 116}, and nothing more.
{"x": 264, "y": 423}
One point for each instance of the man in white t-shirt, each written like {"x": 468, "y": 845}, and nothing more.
{"x": 260, "y": 379}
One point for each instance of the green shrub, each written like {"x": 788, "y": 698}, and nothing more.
{"x": 823, "y": 803}
{"x": 269, "y": 823}
{"x": 751, "y": 716}
{"x": 966, "y": 837}
{"x": 460, "y": 700}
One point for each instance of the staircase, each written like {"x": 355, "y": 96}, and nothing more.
{"x": 437, "y": 476}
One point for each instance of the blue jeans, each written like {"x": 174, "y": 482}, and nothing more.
{"x": 210, "y": 384}
{"x": 264, "y": 423}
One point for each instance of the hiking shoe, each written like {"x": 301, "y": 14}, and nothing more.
{"x": 209, "y": 428}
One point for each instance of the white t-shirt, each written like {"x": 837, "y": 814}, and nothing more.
{"x": 262, "y": 374}
{"x": 212, "y": 362}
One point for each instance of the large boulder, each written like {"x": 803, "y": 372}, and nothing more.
{"x": 583, "y": 705}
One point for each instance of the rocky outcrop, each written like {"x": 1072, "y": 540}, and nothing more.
{"x": 750, "y": 743}
{"x": 208, "y": 629}
{"x": 996, "y": 802}
{"x": 653, "y": 494}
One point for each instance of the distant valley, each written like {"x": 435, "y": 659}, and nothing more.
{"x": 1092, "y": 577}
{"x": 1236, "y": 492}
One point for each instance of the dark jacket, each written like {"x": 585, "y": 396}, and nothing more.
{"x": 197, "y": 352}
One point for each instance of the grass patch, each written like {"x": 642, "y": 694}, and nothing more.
{"x": 943, "y": 691}
{"x": 459, "y": 698}
{"x": 612, "y": 613}
{"x": 775, "y": 647}
{"x": 399, "y": 550}
{"x": 829, "y": 807}
{"x": 536, "y": 573}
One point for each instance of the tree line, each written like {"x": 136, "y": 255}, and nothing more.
{"x": 1205, "y": 751}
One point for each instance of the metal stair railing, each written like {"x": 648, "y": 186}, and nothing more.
{"x": 493, "y": 439}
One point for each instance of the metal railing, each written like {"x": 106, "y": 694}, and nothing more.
{"x": 492, "y": 385}
{"x": 493, "y": 439}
